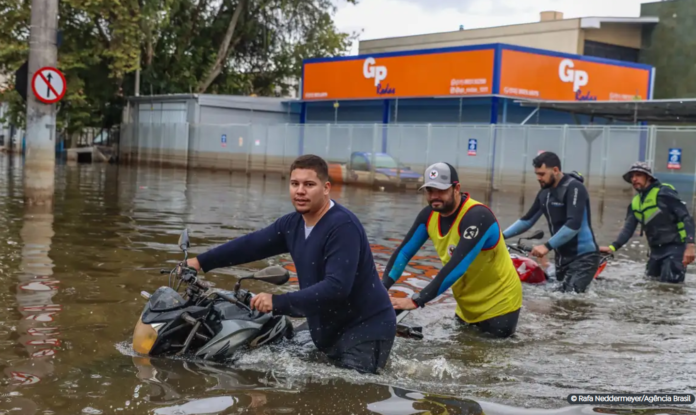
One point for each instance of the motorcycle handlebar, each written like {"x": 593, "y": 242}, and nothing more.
{"x": 606, "y": 255}
{"x": 201, "y": 284}
{"x": 525, "y": 250}
{"x": 188, "y": 275}
{"x": 520, "y": 248}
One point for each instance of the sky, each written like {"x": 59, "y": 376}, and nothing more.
{"x": 376, "y": 19}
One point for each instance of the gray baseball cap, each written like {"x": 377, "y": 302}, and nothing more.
{"x": 440, "y": 176}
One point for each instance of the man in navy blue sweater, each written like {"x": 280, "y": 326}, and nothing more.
{"x": 348, "y": 310}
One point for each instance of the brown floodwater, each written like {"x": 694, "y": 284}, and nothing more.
{"x": 72, "y": 277}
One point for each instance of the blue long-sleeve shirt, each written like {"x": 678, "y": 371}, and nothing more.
{"x": 567, "y": 210}
{"x": 340, "y": 291}
{"x": 463, "y": 255}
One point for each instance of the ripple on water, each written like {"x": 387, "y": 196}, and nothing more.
{"x": 114, "y": 227}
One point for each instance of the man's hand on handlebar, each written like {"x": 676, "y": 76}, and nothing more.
{"x": 189, "y": 274}
{"x": 262, "y": 302}
{"x": 605, "y": 250}
{"x": 193, "y": 263}
{"x": 539, "y": 251}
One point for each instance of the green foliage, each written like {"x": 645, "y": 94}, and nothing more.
{"x": 177, "y": 46}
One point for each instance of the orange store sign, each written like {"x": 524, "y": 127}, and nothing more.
{"x": 549, "y": 77}
{"x": 452, "y": 73}
{"x": 501, "y": 69}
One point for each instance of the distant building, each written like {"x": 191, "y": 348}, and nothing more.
{"x": 618, "y": 38}
{"x": 669, "y": 47}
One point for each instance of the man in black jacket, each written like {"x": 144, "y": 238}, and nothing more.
{"x": 668, "y": 226}
{"x": 565, "y": 203}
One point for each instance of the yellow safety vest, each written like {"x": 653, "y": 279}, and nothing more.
{"x": 646, "y": 210}
{"x": 491, "y": 286}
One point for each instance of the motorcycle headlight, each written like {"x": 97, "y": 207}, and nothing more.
{"x": 144, "y": 337}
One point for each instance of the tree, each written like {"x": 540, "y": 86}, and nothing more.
{"x": 182, "y": 46}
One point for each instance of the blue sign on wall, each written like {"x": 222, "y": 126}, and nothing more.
{"x": 473, "y": 145}
{"x": 223, "y": 140}
{"x": 674, "y": 160}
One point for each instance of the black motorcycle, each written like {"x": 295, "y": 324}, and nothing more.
{"x": 209, "y": 323}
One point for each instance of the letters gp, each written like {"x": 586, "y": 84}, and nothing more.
{"x": 568, "y": 74}
{"x": 370, "y": 70}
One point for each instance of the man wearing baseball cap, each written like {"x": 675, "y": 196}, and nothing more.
{"x": 476, "y": 262}
{"x": 668, "y": 226}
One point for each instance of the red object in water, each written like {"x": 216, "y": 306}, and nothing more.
{"x": 602, "y": 265}
{"x": 528, "y": 269}
{"x": 531, "y": 273}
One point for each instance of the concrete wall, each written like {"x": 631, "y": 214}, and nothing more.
{"x": 669, "y": 46}
{"x": 216, "y": 115}
{"x": 557, "y": 35}
{"x": 162, "y": 112}
{"x": 619, "y": 34}
{"x": 212, "y": 109}
{"x": 221, "y": 109}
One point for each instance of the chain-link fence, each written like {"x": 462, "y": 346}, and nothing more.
{"x": 498, "y": 156}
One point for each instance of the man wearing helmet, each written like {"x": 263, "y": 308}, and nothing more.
{"x": 668, "y": 226}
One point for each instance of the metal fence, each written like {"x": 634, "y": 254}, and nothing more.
{"x": 499, "y": 156}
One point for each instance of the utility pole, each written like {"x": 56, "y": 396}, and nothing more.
{"x": 137, "y": 79}
{"x": 40, "y": 159}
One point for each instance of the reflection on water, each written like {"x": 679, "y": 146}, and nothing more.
{"x": 169, "y": 381}
{"x": 74, "y": 273}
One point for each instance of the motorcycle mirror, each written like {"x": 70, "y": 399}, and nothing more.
{"x": 275, "y": 275}
{"x": 184, "y": 243}
{"x": 537, "y": 235}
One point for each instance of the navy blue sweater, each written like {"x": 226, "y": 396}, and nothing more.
{"x": 340, "y": 293}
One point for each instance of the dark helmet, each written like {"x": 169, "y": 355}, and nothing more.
{"x": 577, "y": 176}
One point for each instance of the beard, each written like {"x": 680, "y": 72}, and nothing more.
{"x": 446, "y": 207}
{"x": 548, "y": 185}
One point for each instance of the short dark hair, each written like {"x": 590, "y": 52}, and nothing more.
{"x": 312, "y": 162}
{"x": 548, "y": 158}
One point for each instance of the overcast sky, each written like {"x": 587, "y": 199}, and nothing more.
{"x": 390, "y": 18}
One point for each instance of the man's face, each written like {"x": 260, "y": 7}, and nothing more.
{"x": 307, "y": 192}
{"x": 546, "y": 176}
{"x": 639, "y": 181}
{"x": 442, "y": 200}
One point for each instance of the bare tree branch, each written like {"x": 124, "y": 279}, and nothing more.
{"x": 224, "y": 50}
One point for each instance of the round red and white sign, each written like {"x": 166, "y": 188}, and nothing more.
{"x": 48, "y": 85}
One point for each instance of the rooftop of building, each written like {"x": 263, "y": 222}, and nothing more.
{"x": 546, "y": 18}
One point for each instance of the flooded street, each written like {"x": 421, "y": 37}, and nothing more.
{"x": 72, "y": 277}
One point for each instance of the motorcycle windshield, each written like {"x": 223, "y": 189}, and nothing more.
{"x": 165, "y": 299}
